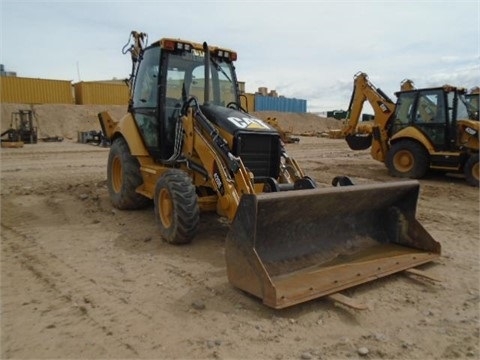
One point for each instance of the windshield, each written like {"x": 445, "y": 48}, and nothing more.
{"x": 186, "y": 77}
{"x": 464, "y": 109}
{"x": 403, "y": 109}
{"x": 472, "y": 101}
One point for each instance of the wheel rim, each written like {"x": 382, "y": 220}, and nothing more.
{"x": 403, "y": 161}
{"x": 165, "y": 206}
{"x": 117, "y": 176}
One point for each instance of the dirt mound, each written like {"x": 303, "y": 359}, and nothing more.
{"x": 66, "y": 120}
{"x": 301, "y": 123}
{"x": 61, "y": 119}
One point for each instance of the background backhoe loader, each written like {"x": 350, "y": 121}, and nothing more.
{"x": 187, "y": 144}
{"x": 431, "y": 128}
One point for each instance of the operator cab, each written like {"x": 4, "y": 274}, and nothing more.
{"x": 170, "y": 72}
{"x": 434, "y": 112}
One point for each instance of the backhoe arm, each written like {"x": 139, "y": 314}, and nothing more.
{"x": 135, "y": 45}
{"x": 364, "y": 90}
{"x": 356, "y": 104}
{"x": 383, "y": 108}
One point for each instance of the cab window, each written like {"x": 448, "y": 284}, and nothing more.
{"x": 430, "y": 107}
{"x": 146, "y": 83}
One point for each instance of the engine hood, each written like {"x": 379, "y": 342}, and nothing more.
{"x": 232, "y": 120}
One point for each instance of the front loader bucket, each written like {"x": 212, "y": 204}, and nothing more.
{"x": 294, "y": 246}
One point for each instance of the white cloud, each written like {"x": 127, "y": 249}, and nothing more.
{"x": 302, "y": 49}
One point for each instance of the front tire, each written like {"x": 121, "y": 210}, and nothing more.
{"x": 471, "y": 170}
{"x": 123, "y": 178}
{"x": 407, "y": 159}
{"x": 176, "y": 207}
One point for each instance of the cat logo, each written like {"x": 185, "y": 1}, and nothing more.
{"x": 248, "y": 123}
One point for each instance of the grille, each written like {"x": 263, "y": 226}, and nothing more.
{"x": 260, "y": 153}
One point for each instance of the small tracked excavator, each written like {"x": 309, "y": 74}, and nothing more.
{"x": 23, "y": 129}
{"x": 187, "y": 144}
{"x": 431, "y": 128}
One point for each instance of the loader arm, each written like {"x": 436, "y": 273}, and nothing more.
{"x": 273, "y": 253}
{"x": 225, "y": 172}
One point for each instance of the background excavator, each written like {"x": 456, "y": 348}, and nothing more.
{"x": 187, "y": 144}
{"x": 23, "y": 129}
{"x": 431, "y": 128}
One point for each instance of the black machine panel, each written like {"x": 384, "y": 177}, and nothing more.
{"x": 233, "y": 120}
{"x": 255, "y": 142}
{"x": 260, "y": 153}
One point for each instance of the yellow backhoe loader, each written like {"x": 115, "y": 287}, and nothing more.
{"x": 186, "y": 144}
{"x": 429, "y": 128}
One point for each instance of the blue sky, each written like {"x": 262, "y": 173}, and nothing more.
{"x": 302, "y": 49}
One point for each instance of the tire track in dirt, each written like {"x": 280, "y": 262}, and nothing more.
{"x": 87, "y": 281}
{"x": 107, "y": 306}
{"x": 69, "y": 285}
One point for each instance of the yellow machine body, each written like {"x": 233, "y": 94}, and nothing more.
{"x": 431, "y": 128}
{"x": 290, "y": 241}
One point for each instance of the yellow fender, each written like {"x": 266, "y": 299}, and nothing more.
{"x": 468, "y": 131}
{"x": 126, "y": 128}
{"x": 414, "y": 134}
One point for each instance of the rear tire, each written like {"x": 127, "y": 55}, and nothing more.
{"x": 176, "y": 207}
{"x": 123, "y": 178}
{"x": 408, "y": 159}
{"x": 471, "y": 170}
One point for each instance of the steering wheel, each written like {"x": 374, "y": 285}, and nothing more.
{"x": 234, "y": 105}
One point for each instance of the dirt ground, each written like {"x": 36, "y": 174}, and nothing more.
{"x": 80, "y": 279}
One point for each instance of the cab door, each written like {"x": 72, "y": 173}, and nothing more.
{"x": 144, "y": 107}
{"x": 430, "y": 116}
{"x": 157, "y": 100}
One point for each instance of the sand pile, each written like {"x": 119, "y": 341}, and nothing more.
{"x": 61, "y": 119}
{"x": 301, "y": 123}
{"x": 66, "y": 121}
